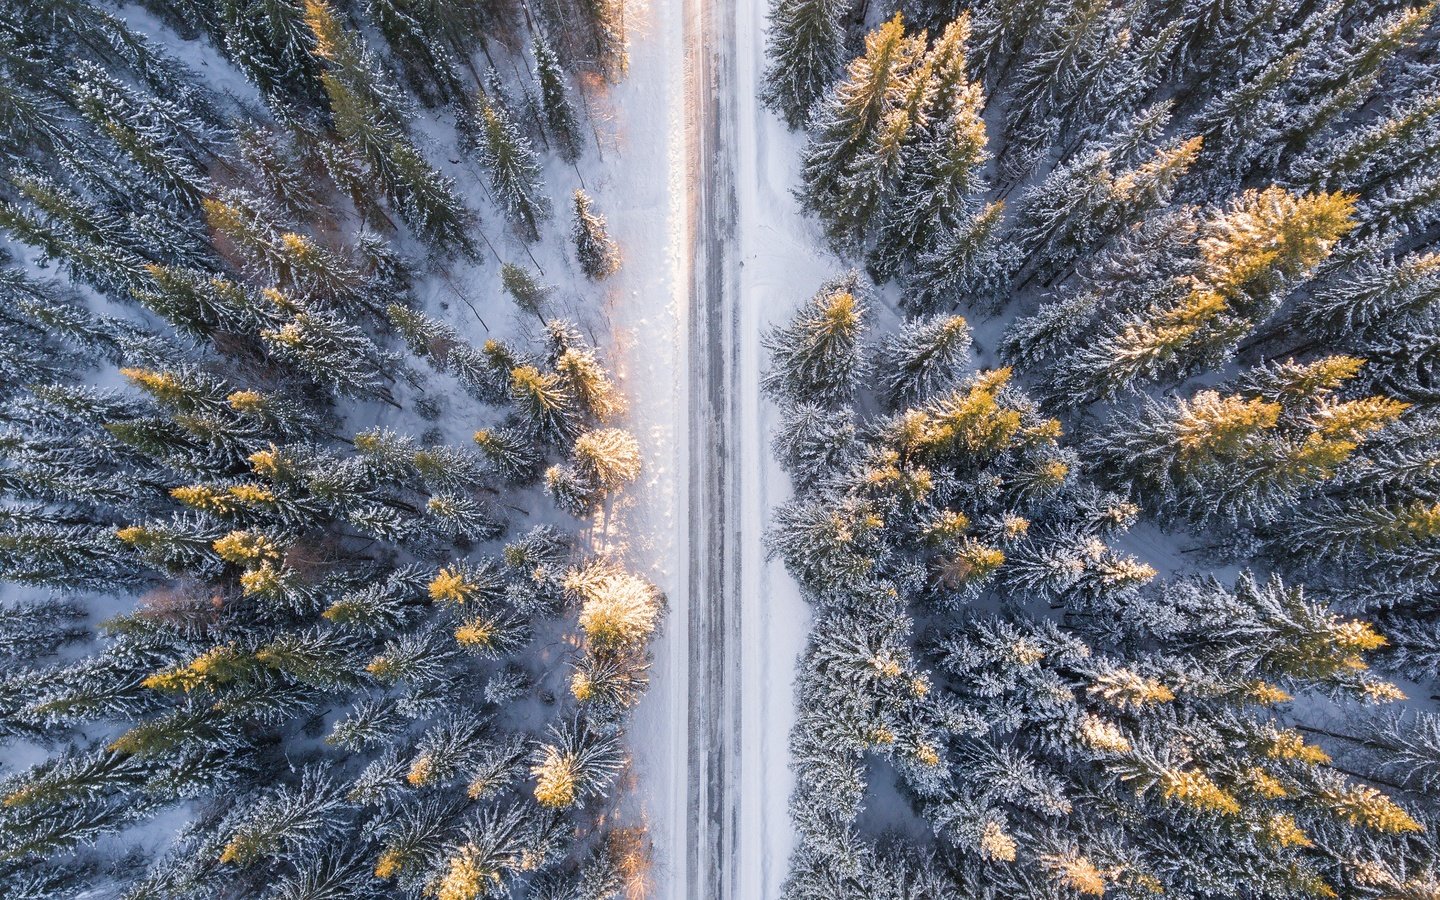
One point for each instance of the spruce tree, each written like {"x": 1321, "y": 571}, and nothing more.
{"x": 559, "y": 113}
{"x": 369, "y": 116}
{"x": 514, "y": 170}
{"x": 598, "y": 255}
{"x": 803, "y": 44}
{"x": 816, "y": 356}
{"x": 924, "y": 358}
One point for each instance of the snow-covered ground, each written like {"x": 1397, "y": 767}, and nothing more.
{"x": 641, "y": 186}
{"x": 781, "y": 263}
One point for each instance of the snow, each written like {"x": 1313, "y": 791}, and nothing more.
{"x": 777, "y": 263}
{"x": 781, "y": 264}
{"x": 641, "y": 188}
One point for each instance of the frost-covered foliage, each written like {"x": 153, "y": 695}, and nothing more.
{"x": 256, "y": 642}
{"x": 1206, "y": 231}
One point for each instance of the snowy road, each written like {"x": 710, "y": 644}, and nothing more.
{"x": 711, "y": 738}
{"x": 715, "y": 535}
{"x": 755, "y": 258}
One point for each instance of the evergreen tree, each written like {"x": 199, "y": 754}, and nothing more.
{"x": 1371, "y": 295}
{"x": 287, "y": 820}
{"x": 1249, "y": 256}
{"x": 609, "y": 458}
{"x": 577, "y": 764}
{"x": 369, "y": 116}
{"x": 816, "y": 357}
{"x": 598, "y": 255}
{"x": 969, "y": 261}
{"x": 858, "y": 133}
{"x": 924, "y": 358}
{"x": 422, "y": 54}
{"x": 529, "y": 294}
{"x": 333, "y": 352}
{"x": 514, "y": 170}
{"x": 270, "y": 42}
{"x": 559, "y": 112}
{"x": 803, "y": 44}
{"x": 510, "y": 453}
{"x": 546, "y": 403}
{"x": 618, "y": 608}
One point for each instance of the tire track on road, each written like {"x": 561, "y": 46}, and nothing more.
{"x": 714, "y": 557}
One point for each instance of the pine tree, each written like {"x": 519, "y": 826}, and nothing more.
{"x": 546, "y": 403}
{"x": 286, "y": 820}
{"x": 493, "y": 847}
{"x": 34, "y": 631}
{"x": 586, "y": 379}
{"x": 1375, "y": 294}
{"x": 1265, "y": 241}
{"x": 606, "y": 684}
{"x": 462, "y": 516}
{"x": 1360, "y": 158}
{"x": 559, "y": 112}
{"x": 276, "y": 163}
{"x": 1342, "y": 74}
{"x": 447, "y": 749}
{"x": 529, "y": 294}
{"x": 598, "y": 255}
{"x": 578, "y": 763}
{"x": 270, "y": 42}
{"x": 333, "y": 352}
{"x": 197, "y": 303}
{"x": 608, "y": 457}
{"x": 605, "y": 21}
{"x": 924, "y": 358}
{"x": 160, "y": 138}
{"x": 1240, "y": 124}
{"x": 1268, "y": 632}
{"x": 812, "y": 441}
{"x": 941, "y": 164}
{"x": 1249, "y": 256}
{"x": 510, "y": 453}
{"x": 803, "y": 44}
{"x": 969, "y": 261}
{"x": 618, "y": 608}
{"x": 428, "y": 64}
{"x": 1083, "y": 204}
{"x": 856, "y": 106}
{"x": 816, "y": 358}
{"x": 513, "y": 168}
{"x": 369, "y": 116}
{"x": 861, "y": 126}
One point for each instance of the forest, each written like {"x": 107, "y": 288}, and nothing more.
{"x": 342, "y": 535}
{"x": 1116, "y": 450}
{"x": 308, "y": 593}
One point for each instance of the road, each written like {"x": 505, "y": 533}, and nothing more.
{"x": 715, "y": 251}
{"x": 714, "y": 533}
{"x": 754, "y": 258}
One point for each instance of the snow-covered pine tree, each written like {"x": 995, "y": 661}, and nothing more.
{"x": 804, "y": 44}
{"x": 598, "y": 255}
{"x": 513, "y": 168}
{"x": 816, "y": 357}
{"x": 561, "y": 123}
